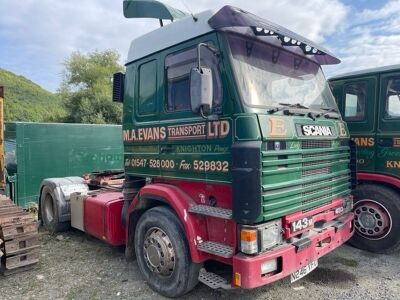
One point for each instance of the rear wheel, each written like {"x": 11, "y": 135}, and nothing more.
{"x": 163, "y": 254}
{"x": 376, "y": 219}
{"x": 49, "y": 212}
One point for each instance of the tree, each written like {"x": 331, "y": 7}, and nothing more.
{"x": 87, "y": 88}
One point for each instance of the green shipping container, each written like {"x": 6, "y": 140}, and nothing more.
{"x": 34, "y": 151}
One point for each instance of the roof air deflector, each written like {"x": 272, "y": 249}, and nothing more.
{"x": 151, "y": 9}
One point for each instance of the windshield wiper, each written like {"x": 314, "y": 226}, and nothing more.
{"x": 286, "y": 106}
{"x": 296, "y": 105}
{"x": 331, "y": 110}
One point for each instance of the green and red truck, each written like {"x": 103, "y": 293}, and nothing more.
{"x": 370, "y": 104}
{"x": 234, "y": 151}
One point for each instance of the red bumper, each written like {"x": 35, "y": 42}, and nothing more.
{"x": 289, "y": 258}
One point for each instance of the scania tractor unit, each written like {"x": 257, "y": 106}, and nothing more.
{"x": 234, "y": 152}
{"x": 370, "y": 104}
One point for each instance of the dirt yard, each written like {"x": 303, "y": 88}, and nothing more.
{"x": 76, "y": 266}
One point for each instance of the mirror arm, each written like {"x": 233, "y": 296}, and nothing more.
{"x": 198, "y": 55}
{"x": 202, "y": 113}
{"x": 209, "y": 47}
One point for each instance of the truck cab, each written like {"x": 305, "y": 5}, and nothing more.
{"x": 234, "y": 152}
{"x": 232, "y": 123}
{"x": 370, "y": 104}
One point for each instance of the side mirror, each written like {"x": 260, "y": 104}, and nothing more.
{"x": 201, "y": 90}
{"x": 118, "y": 87}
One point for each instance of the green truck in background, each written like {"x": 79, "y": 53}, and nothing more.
{"x": 369, "y": 101}
{"x": 35, "y": 151}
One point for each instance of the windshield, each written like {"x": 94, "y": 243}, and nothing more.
{"x": 269, "y": 76}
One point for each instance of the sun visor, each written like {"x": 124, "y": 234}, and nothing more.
{"x": 231, "y": 17}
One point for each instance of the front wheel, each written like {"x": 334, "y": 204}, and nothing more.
{"x": 163, "y": 254}
{"x": 376, "y": 219}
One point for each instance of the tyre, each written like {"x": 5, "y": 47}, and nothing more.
{"x": 163, "y": 254}
{"x": 49, "y": 212}
{"x": 376, "y": 219}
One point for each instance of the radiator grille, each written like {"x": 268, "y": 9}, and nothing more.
{"x": 319, "y": 171}
{"x": 313, "y": 176}
{"x": 312, "y": 144}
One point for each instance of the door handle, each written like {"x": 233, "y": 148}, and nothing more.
{"x": 166, "y": 148}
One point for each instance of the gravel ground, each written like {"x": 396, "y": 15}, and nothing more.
{"x": 81, "y": 267}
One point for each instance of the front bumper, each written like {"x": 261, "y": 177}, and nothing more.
{"x": 247, "y": 269}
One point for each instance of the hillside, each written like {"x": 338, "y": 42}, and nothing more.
{"x": 27, "y": 101}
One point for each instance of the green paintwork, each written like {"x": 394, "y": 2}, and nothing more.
{"x": 151, "y": 9}
{"x": 377, "y": 138}
{"x": 288, "y": 184}
{"x": 299, "y": 177}
{"x": 35, "y": 151}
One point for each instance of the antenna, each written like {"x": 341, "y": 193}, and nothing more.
{"x": 190, "y": 11}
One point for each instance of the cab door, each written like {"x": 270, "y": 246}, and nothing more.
{"x": 358, "y": 106}
{"x": 195, "y": 148}
{"x": 388, "y": 135}
{"x": 141, "y": 117}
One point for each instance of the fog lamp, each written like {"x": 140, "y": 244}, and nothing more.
{"x": 269, "y": 266}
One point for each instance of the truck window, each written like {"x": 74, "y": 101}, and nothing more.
{"x": 178, "y": 66}
{"x": 393, "y": 99}
{"x": 355, "y": 101}
{"x": 147, "y": 88}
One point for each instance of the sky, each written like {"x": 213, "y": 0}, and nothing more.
{"x": 36, "y": 36}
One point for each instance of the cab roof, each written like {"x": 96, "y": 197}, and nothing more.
{"x": 366, "y": 72}
{"x": 228, "y": 18}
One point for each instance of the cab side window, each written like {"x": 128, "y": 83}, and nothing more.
{"x": 355, "y": 101}
{"x": 392, "y": 104}
{"x": 178, "y": 67}
{"x": 147, "y": 100}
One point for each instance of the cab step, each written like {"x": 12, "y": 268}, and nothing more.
{"x": 216, "y": 248}
{"x": 211, "y": 211}
{"x": 213, "y": 280}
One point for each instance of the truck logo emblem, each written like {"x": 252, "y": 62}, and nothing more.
{"x": 316, "y": 130}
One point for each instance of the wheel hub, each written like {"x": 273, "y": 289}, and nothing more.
{"x": 372, "y": 219}
{"x": 158, "y": 252}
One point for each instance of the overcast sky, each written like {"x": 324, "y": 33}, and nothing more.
{"x": 37, "y": 35}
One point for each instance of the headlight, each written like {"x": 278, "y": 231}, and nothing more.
{"x": 255, "y": 239}
{"x": 271, "y": 234}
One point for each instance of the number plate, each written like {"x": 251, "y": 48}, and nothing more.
{"x": 303, "y": 271}
{"x": 301, "y": 224}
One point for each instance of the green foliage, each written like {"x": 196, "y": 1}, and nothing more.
{"x": 27, "y": 101}
{"x": 87, "y": 88}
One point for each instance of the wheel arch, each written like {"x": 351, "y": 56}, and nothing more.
{"x": 171, "y": 196}
{"x": 61, "y": 194}
{"x": 374, "y": 178}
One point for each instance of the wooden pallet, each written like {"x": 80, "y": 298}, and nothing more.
{"x": 19, "y": 239}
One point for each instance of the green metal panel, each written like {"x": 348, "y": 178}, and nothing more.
{"x": 44, "y": 150}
